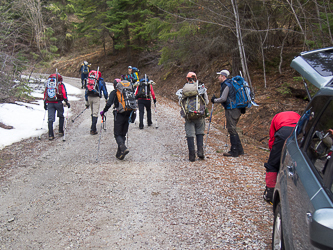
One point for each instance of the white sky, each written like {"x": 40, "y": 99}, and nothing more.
{"x": 28, "y": 118}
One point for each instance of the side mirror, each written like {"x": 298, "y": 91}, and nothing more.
{"x": 321, "y": 228}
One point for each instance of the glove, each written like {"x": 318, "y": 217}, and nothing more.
{"x": 87, "y": 106}
{"x": 45, "y": 106}
{"x": 154, "y": 101}
{"x": 67, "y": 104}
{"x": 213, "y": 99}
{"x": 102, "y": 113}
{"x": 122, "y": 76}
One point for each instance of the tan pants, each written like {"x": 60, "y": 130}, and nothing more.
{"x": 94, "y": 103}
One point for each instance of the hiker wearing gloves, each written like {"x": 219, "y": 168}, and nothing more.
{"x": 84, "y": 71}
{"x": 193, "y": 101}
{"x": 92, "y": 97}
{"x": 121, "y": 120}
{"x": 143, "y": 93}
{"x": 131, "y": 76}
{"x": 54, "y": 94}
{"x": 232, "y": 115}
{"x": 281, "y": 127}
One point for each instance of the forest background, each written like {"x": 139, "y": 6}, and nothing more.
{"x": 165, "y": 39}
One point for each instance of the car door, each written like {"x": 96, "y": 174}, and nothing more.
{"x": 304, "y": 163}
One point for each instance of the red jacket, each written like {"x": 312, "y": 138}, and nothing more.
{"x": 62, "y": 89}
{"x": 283, "y": 119}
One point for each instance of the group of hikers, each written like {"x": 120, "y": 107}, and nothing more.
{"x": 130, "y": 92}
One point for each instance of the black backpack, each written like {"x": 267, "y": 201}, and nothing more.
{"x": 143, "y": 88}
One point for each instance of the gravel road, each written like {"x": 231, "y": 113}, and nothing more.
{"x": 56, "y": 195}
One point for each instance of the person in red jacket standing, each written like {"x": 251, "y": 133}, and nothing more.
{"x": 282, "y": 126}
{"x": 144, "y": 100}
{"x": 54, "y": 94}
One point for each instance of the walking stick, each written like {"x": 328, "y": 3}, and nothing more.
{"x": 103, "y": 121}
{"x": 79, "y": 114}
{"x": 39, "y": 137}
{"x": 64, "y": 138}
{"x": 156, "y": 116}
{"x": 210, "y": 120}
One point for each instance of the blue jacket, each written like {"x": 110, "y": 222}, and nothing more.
{"x": 101, "y": 89}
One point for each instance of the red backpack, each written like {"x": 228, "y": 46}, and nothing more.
{"x": 53, "y": 88}
{"x": 93, "y": 77}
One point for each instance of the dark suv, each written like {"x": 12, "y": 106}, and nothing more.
{"x": 303, "y": 196}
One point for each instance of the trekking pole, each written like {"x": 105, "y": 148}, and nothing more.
{"x": 210, "y": 120}
{"x": 224, "y": 127}
{"x": 40, "y": 136}
{"x": 79, "y": 114}
{"x": 64, "y": 138}
{"x": 156, "y": 116}
{"x": 100, "y": 134}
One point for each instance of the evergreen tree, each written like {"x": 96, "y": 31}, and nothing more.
{"x": 127, "y": 19}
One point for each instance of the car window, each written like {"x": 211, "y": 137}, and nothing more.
{"x": 321, "y": 62}
{"x": 319, "y": 142}
{"x": 311, "y": 114}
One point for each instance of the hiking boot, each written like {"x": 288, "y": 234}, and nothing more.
{"x": 234, "y": 149}
{"x": 50, "y": 126}
{"x": 61, "y": 133}
{"x": 191, "y": 155}
{"x": 93, "y": 132}
{"x": 140, "y": 126}
{"x": 239, "y": 146}
{"x": 118, "y": 153}
{"x": 200, "y": 151}
{"x": 123, "y": 152}
{"x": 191, "y": 151}
{"x": 268, "y": 195}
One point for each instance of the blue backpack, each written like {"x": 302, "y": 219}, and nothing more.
{"x": 242, "y": 92}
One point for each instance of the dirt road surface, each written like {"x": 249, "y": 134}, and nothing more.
{"x": 55, "y": 195}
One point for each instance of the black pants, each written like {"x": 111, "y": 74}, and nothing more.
{"x": 121, "y": 124}
{"x": 142, "y": 105}
{"x": 273, "y": 163}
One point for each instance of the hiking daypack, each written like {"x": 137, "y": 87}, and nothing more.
{"x": 242, "y": 93}
{"x": 53, "y": 89}
{"x": 192, "y": 102}
{"x": 143, "y": 88}
{"x": 85, "y": 69}
{"x": 92, "y": 82}
{"x": 125, "y": 96}
{"x": 136, "y": 71}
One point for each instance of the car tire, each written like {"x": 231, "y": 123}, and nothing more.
{"x": 277, "y": 237}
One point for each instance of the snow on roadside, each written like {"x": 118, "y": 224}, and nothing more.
{"x": 29, "y": 119}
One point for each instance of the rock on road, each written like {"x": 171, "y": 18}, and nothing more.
{"x": 56, "y": 196}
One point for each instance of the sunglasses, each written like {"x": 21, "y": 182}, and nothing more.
{"x": 191, "y": 79}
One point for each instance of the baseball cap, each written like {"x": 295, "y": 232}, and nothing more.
{"x": 224, "y": 73}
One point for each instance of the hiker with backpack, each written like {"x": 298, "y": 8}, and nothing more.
{"x": 84, "y": 71}
{"x": 131, "y": 76}
{"x": 193, "y": 99}
{"x": 95, "y": 89}
{"x": 55, "y": 93}
{"x": 232, "y": 113}
{"x": 124, "y": 105}
{"x": 143, "y": 93}
{"x": 281, "y": 127}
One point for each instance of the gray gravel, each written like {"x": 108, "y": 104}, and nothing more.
{"x": 56, "y": 196}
